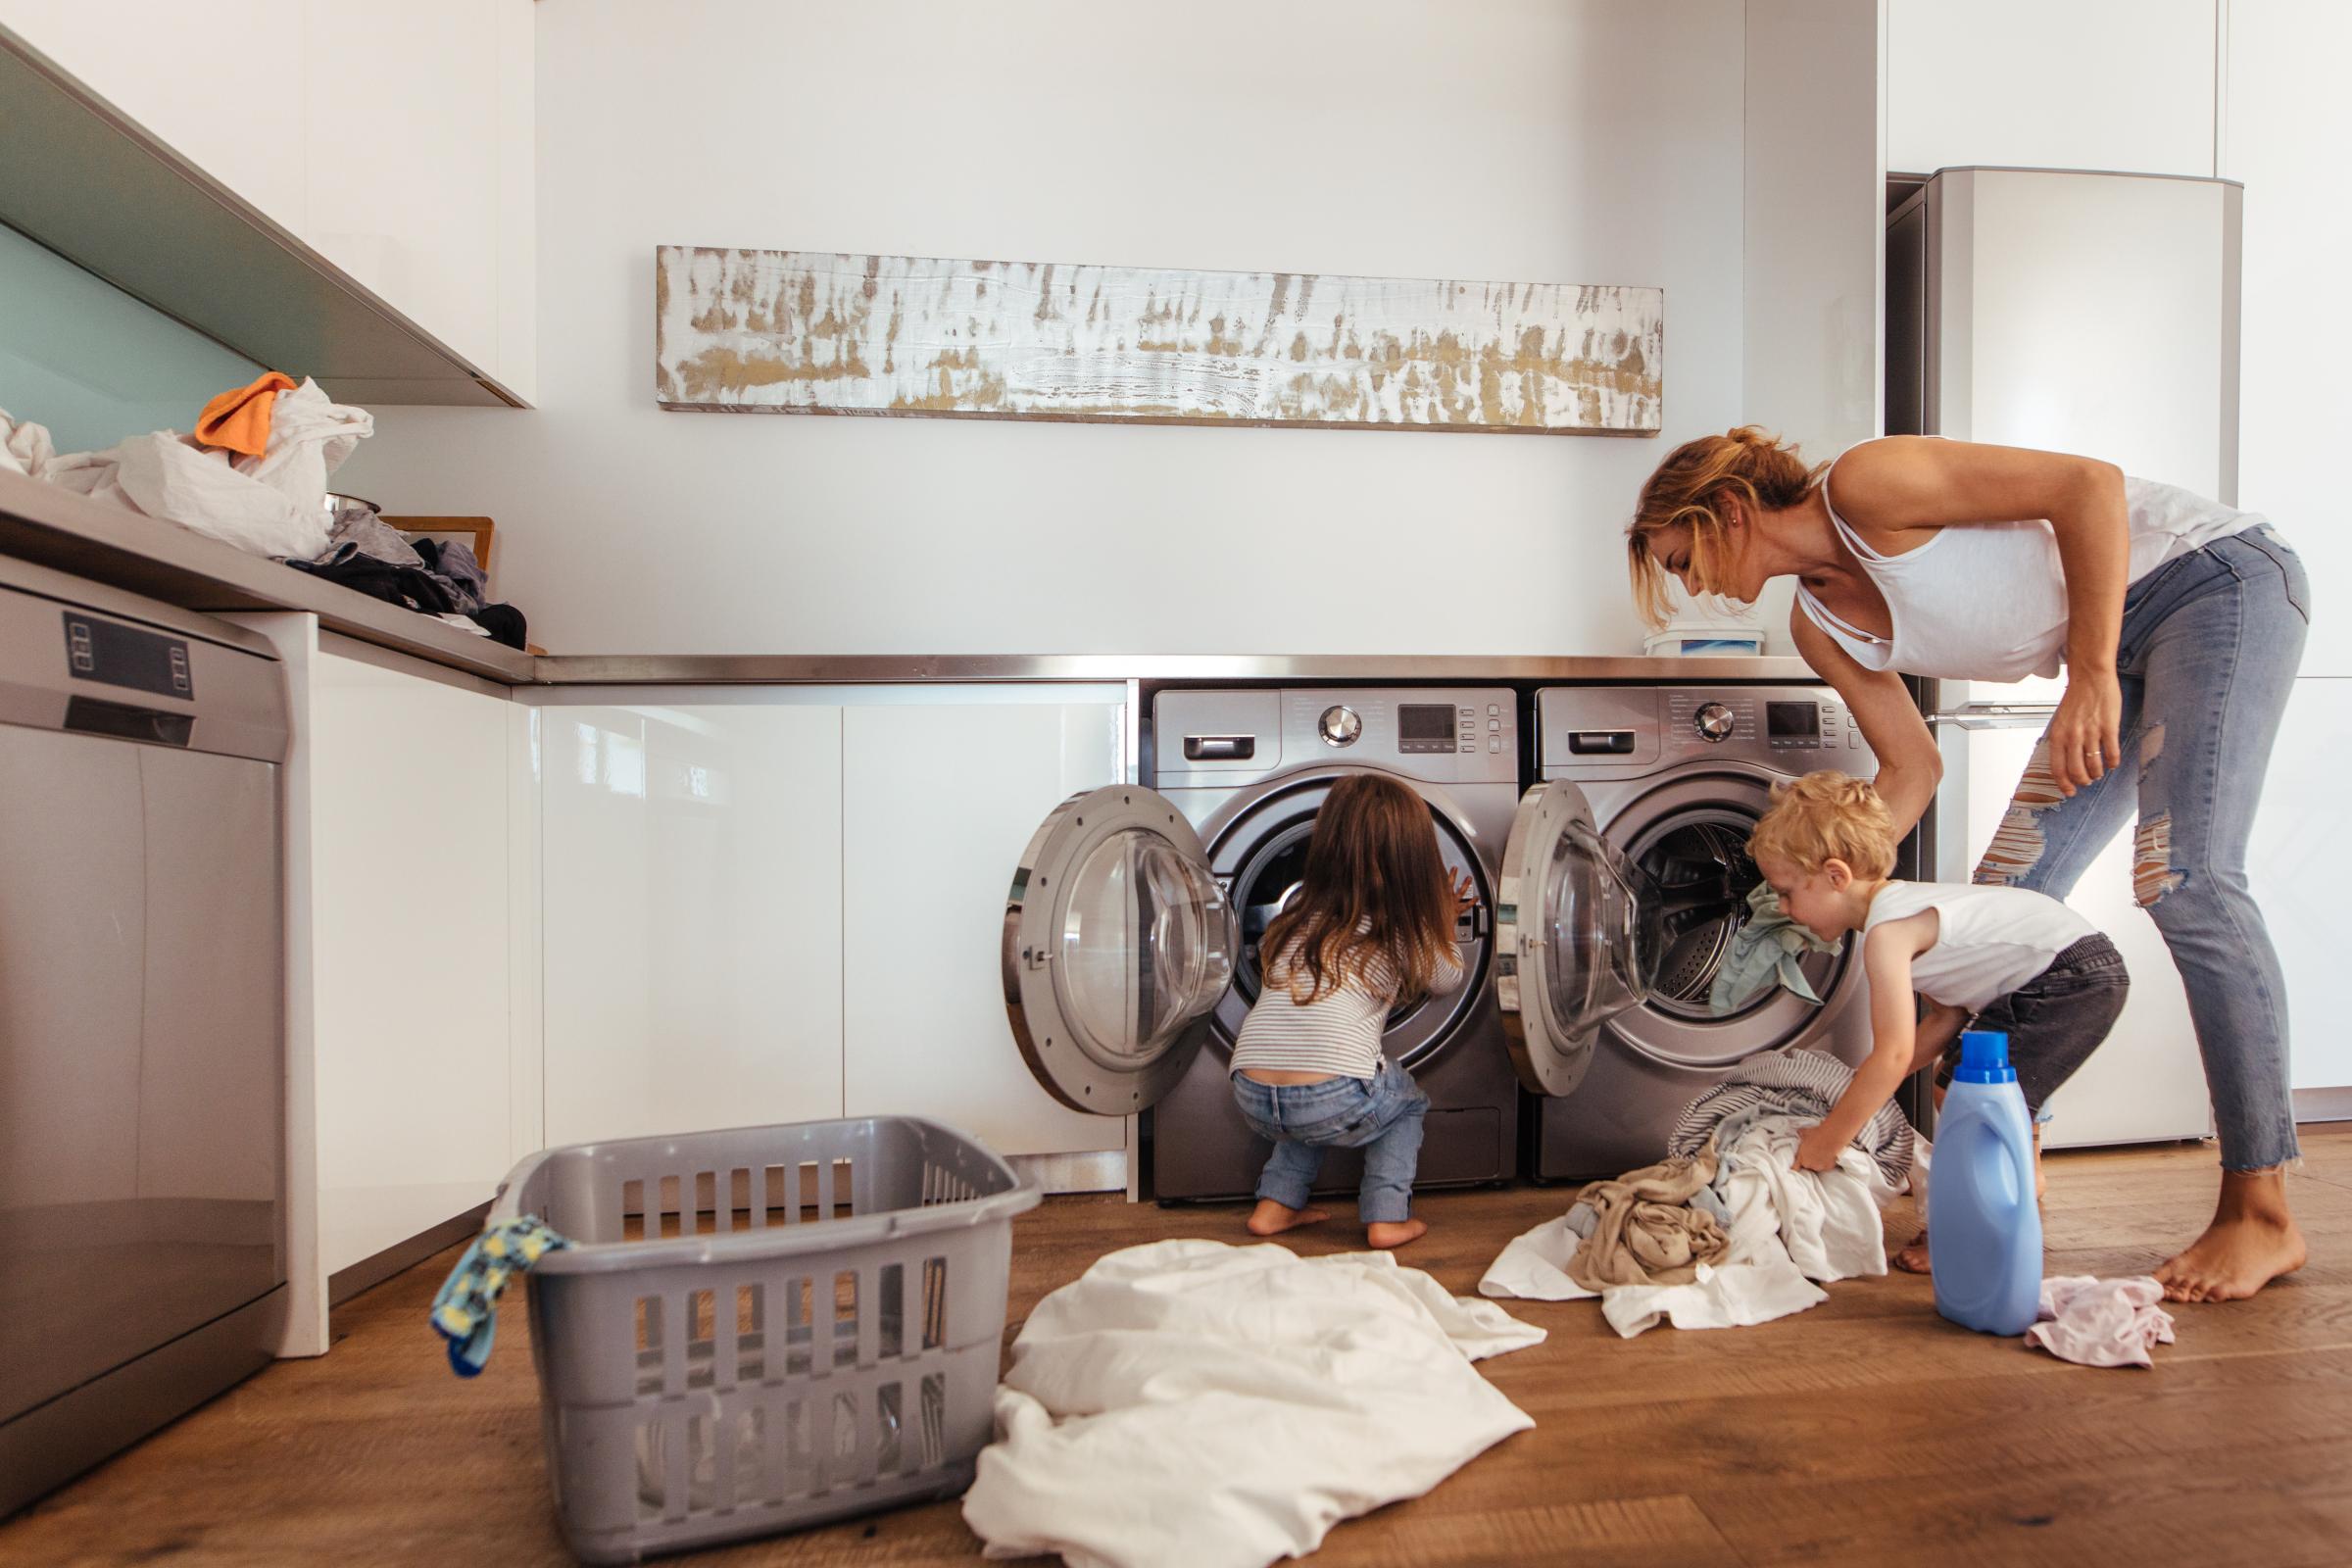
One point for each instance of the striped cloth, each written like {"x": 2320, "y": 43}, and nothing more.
{"x": 1797, "y": 1083}
{"x": 1339, "y": 1032}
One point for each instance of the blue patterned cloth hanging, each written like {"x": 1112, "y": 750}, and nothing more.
{"x": 466, "y": 1311}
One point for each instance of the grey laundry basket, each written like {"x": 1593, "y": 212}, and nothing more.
{"x": 786, "y": 1366}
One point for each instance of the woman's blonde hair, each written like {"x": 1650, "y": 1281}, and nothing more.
{"x": 1689, "y": 488}
{"x": 1827, "y": 816}
{"x": 1374, "y": 883}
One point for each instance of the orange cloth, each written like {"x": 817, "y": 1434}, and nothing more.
{"x": 240, "y": 421}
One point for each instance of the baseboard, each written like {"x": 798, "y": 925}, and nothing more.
{"x": 370, "y": 1272}
{"x": 2324, "y": 1104}
{"x": 1104, "y": 1171}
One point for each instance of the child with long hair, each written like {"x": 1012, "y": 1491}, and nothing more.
{"x": 1370, "y": 928}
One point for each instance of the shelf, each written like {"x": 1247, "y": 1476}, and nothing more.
{"x": 70, "y": 533}
{"x": 84, "y": 179}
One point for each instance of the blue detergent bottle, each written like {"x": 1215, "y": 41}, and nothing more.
{"x": 1984, "y": 1226}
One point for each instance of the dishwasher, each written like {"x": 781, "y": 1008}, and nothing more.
{"x": 142, "y": 1047}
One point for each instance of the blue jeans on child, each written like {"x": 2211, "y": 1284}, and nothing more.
{"x": 1380, "y": 1115}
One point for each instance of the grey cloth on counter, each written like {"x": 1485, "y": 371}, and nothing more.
{"x": 1790, "y": 1083}
{"x": 452, "y": 559}
{"x": 1763, "y": 952}
{"x": 359, "y": 531}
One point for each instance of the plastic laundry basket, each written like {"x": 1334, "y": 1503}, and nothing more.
{"x": 826, "y": 1346}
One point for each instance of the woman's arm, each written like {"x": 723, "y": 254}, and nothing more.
{"x": 1909, "y": 765}
{"x": 1911, "y": 484}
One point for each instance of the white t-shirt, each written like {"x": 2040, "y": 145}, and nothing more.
{"x": 1988, "y": 940}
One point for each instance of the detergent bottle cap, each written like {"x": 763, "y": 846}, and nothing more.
{"x": 1984, "y": 1058}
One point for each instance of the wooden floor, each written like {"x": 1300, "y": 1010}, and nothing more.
{"x": 1866, "y": 1429}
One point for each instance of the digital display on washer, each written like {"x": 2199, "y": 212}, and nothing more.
{"x": 1424, "y": 727}
{"x": 1793, "y": 721}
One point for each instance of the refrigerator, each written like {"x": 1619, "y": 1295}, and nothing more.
{"x": 2073, "y": 311}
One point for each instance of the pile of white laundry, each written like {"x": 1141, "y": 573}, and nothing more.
{"x": 1787, "y": 1229}
{"x": 269, "y": 505}
{"x": 1197, "y": 1404}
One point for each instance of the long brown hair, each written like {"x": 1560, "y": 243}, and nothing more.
{"x": 1374, "y": 884}
{"x": 1689, "y": 488}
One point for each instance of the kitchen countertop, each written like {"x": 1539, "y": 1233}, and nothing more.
{"x": 86, "y": 538}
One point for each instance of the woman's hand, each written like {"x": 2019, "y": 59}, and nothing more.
{"x": 1465, "y": 892}
{"x": 2085, "y": 735}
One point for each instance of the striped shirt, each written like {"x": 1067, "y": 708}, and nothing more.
{"x": 1339, "y": 1032}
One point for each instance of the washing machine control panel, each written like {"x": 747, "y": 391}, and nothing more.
{"x": 1441, "y": 734}
{"x": 1617, "y": 731}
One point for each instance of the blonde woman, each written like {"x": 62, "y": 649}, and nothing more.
{"x": 2180, "y": 623}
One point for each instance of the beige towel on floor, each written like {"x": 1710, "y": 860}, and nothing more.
{"x": 1647, "y": 1234}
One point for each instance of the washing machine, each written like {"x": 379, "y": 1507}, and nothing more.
{"x": 1130, "y": 941}
{"x": 1674, "y": 778}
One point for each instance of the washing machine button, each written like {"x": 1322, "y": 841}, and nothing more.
{"x": 1339, "y": 725}
{"x": 1495, "y": 744}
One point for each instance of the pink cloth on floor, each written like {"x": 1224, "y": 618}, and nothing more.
{"x": 2101, "y": 1322}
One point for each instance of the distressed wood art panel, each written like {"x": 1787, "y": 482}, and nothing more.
{"x": 812, "y": 332}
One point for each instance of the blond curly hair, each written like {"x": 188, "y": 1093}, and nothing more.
{"x": 1827, "y": 816}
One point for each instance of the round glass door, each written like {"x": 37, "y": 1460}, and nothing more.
{"x": 1261, "y": 856}
{"x": 1689, "y": 838}
{"x": 1118, "y": 944}
{"x": 1578, "y": 934}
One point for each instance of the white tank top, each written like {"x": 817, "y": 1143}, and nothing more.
{"x": 1988, "y": 940}
{"x": 1987, "y": 601}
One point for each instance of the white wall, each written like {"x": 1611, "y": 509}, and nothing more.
{"x": 1814, "y": 231}
{"x": 1512, "y": 139}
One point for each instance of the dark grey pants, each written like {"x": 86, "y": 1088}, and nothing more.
{"x": 2055, "y": 1020}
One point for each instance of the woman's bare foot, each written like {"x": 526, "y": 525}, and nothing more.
{"x": 2251, "y": 1242}
{"x": 1913, "y": 1259}
{"x": 1387, "y": 1233}
{"x": 1270, "y": 1218}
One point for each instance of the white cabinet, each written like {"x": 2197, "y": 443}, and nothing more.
{"x": 398, "y": 140}
{"x": 221, "y": 83}
{"x": 2286, "y": 124}
{"x": 409, "y": 929}
{"x": 939, "y": 799}
{"x": 692, "y": 914}
{"x": 2115, "y": 84}
{"x": 2299, "y": 883}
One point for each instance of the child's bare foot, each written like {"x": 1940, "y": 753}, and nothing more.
{"x": 1270, "y": 1218}
{"x": 2251, "y": 1242}
{"x": 1913, "y": 1259}
{"x": 1385, "y": 1234}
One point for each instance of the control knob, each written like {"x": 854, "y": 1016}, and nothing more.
{"x": 1713, "y": 722}
{"x": 1339, "y": 725}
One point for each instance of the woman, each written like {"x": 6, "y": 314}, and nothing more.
{"x": 2180, "y": 622}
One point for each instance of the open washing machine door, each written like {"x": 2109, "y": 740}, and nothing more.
{"x": 1574, "y": 938}
{"x": 1118, "y": 945}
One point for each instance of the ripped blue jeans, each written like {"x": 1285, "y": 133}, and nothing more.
{"x": 2210, "y": 646}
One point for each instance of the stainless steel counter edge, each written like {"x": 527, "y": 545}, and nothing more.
{"x": 73, "y": 534}
{"x": 784, "y": 670}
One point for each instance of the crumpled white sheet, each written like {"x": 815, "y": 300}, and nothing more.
{"x": 273, "y": 504}
{"x": 1788, "y": 1229}
{"x": 1195, "y": 1406}
{"x": 2097, "y": 1322}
